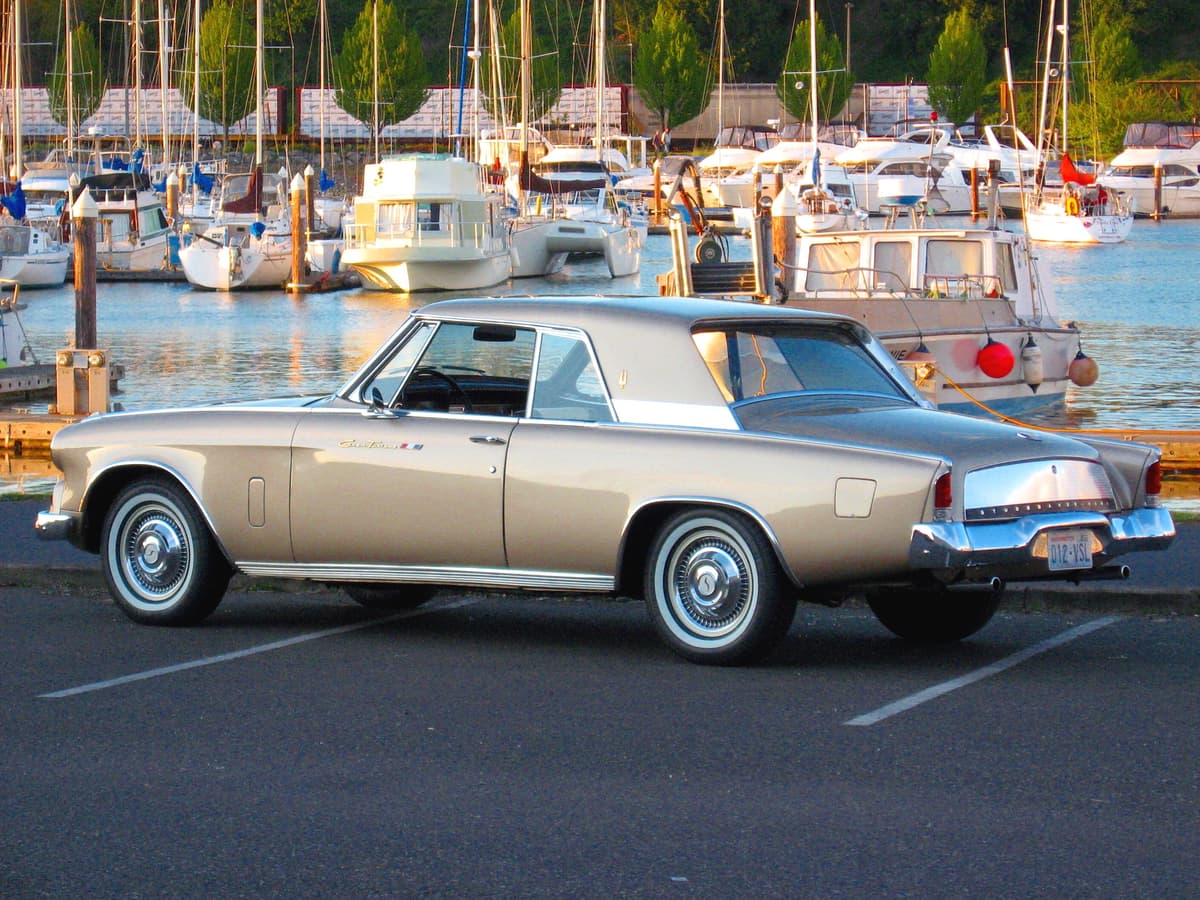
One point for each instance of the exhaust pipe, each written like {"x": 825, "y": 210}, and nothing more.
{"x": 1105, "y": 573}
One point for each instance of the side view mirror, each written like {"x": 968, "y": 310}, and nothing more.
{"x": 378, "y": 409}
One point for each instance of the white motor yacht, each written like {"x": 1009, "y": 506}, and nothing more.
{"x": 428, "y": 222}
{"x": 1158, "y": 169}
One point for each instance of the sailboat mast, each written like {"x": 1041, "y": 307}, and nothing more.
{"x": 69, "y": 44}
{"x": 137, "y": 73}
{"x": 195, "y": 89}
{"x": 375, "y": 74}
{"x": 598, "y": 31}
{"x": 323, "y": 12}
{"x": 812, "y": 67}
{"x": 1043, "y": 107}
{"x": 18, "y": 166}
{"x": 1066, "y": 73}
{"x": 164, "y": 82}
{"x": 720, "y": 68}
{"x": 259, "y": 79}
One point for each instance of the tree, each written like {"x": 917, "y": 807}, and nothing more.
{"x": 226, "y": 66}
{"x": 501, "y": 73}
{"x": 87, "y": 79}
{"x": 669, "y": 71}
{"x": 958, "y": 69}
{"x": 834, "y": 83}
{"x": 403, "y": 79}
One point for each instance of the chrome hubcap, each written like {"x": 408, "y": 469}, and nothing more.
{"x": 713, "y": 580}
{"x": 710, "y": 585}
{"x": 156, "y": 554}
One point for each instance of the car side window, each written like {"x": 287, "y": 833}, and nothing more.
{"x": 388, "y": 379}
{"x": 568, "y": 386}
{"x": 479, "y": 369}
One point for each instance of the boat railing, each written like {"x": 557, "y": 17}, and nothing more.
{"x": 963, "y": 287}
{"x": 424, "y": 234}
{"x": 859, "y": 281}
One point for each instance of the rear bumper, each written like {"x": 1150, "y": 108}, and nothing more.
{"x": 1006, "y": 549}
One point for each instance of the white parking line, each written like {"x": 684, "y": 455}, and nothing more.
{"x": 249, "y": 651}
{"x": 938, "y": 690}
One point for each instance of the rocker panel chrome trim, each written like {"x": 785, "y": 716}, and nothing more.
{"x": 469, "y": 577}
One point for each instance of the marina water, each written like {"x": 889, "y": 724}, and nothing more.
{"x": 1137, "y": 305}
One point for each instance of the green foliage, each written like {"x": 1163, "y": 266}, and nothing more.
{"x": 87, "y": 79}
{"x": 670, "y": 73}
{"x": 958, "y": 69}
{"x": 834, "y": 83}
{"x": 501, "y": 73}
{"x": 403, "y": 80}
{"x": 1114, "y": 56}
{"x": 226, "y": 65}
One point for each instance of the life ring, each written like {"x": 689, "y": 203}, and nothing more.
{"x": 1071, "y": 206}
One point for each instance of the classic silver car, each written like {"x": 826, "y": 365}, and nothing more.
{"x": 720, "y": 459}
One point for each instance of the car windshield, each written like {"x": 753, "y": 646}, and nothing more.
{"x": 808, "y": 369}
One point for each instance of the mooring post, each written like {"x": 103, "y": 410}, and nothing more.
{"x": 299, "y": 233}
{"x": 81, "y": 372}
{"x": 84, "y": 214}
{"x": 310, "y": 193}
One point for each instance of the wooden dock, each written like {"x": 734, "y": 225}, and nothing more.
{"x": 41, "y": 379}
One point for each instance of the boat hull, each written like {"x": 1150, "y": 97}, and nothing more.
{"x": 36, "y": 269}
{"x": 397, "y": 270}
{"x": 228, "y": 268}
{"x": 1060, "y": 228}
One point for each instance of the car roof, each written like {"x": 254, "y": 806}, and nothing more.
{"x": 643, "y": 343}
{"x": 604, "y": 311}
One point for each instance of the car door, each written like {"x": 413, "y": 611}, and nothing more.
{"x": 413, "y": 473}
{"x": 415, "y": 488}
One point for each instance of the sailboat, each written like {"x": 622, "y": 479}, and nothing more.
{"x": 29, "y": 256}
{"x": 237, "y": 253}
{"x": 585, "y": 217}
{"x": 820, "y": 208}
{"x": 1080, "y": 211}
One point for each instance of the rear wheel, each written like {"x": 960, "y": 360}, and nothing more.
{"x": 715, "y": 590}
{"x": 934, "y": 615}
{"x": 388, "y": 596}
{"x": 161, "y": 563}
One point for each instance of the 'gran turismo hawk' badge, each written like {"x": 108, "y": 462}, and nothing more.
{"x": 355, "y": 444}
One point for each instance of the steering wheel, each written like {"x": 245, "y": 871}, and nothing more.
{"x": 433, "y": 372}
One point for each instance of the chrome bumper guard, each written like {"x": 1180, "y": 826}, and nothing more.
{"x": 958, "y": 545}
{"x": 55, "y": 526}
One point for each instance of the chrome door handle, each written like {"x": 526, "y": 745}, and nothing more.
{"x": 486, "y": 439}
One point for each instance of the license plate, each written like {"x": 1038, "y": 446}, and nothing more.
{"x": 1069, "y": 550}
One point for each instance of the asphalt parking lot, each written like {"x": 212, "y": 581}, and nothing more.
{"x": 507, "y": 745}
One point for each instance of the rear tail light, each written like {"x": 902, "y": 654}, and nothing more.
{"x": 1153, "y": 483}
{"x": 943, "y": 496}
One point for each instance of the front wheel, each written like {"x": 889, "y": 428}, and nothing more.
{"x": 160, "y": 561}
{"x": 934, "y": 615}
{"x": 715, "y": 590}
